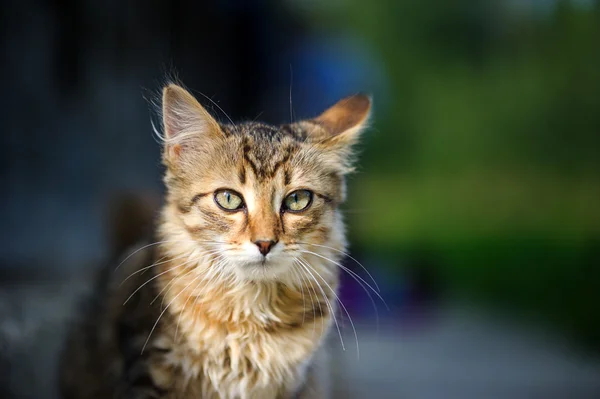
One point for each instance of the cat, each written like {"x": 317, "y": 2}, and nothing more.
{"x": 237, "y": 296}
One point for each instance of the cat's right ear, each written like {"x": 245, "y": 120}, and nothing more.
{"x": 185, "y": 122}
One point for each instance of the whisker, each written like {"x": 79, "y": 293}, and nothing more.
{"x": 156, "y": 276}
{"x": 302, "y": 290}
{"x": 349, "y": 256}
{"x": 138, "y": 250}
{"x": 164, "y": 242}
{"x": 159, "y": 262}
{"x": 195, "y": 301}
{"x": 310, "y": 286}
{"x": 291, "y": 84}
{"x": 216, "y": 105}
{"x": 165, "y": 309}
{"x": 175, "y": 279}
{"x": 184, "y": 305}
{"x": 327, "y": 302}
{"x": 168, "y": 287}
{"x": 195, "y": 308}
{"x": 295, "y": 270}
{"x": 341, "y": 304}
{"x": 352, "y": 274}
{"x": 204, "y": 254}
{"x": 257, "y": 116}
{"x": 358, "y": 279}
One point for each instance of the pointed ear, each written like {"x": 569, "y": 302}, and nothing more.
{"x": 343, "y": 122}
{"x": 338, "y": 129}
{"x": 185, "y": 121}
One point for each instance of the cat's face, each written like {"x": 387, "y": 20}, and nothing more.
{"x": 255, "y": 197}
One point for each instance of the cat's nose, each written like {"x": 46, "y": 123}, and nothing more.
{"x": 264, "y": 246}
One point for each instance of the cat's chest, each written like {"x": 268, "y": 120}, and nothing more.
{"x": 213, "y": 360}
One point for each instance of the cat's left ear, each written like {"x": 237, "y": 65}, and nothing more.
{"x": 186, "y": 123}
{"x": 343, "y": 122}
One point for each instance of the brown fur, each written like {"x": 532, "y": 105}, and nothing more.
{"x": 217, "y": 319}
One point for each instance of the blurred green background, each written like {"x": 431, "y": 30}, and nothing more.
{"x": 475, "y": 205}
{"x": 486, "y": 154}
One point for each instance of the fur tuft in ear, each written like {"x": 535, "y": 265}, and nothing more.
{"x": 343, "y": 122}
{"x": 339, "y": 129}
{"x": 185, "y": 121}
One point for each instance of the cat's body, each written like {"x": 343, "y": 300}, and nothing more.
{"x": 237, "y": 296}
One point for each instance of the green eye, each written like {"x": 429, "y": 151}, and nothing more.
{"x": 229, "y": 200}
{"x": 297, "y": 201}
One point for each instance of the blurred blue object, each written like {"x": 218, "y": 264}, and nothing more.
{"x": 326, "y": 69}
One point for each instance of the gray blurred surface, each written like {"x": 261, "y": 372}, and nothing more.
{"x": 459, "y": 353}
{"x": 465, "y": 354}
{"x": 33, "y": 320}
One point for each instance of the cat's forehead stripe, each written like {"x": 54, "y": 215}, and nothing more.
{"x": 264, "y": 152}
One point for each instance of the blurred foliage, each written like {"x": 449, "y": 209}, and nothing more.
{"x": 488, "y": 151}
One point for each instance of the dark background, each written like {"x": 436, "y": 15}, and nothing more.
{"x": 475, "y": 206}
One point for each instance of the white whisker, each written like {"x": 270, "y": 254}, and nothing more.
{"x": 352, "y": 274}
{"x": 217, "y": 265}
{"x": 164, "y": 242}
{"x": 159, "y": 262}
{"x": 327, "y": 302}
{"x": 340, "y": 302}
{"x": 169, "y": 286}
{"x": 358, "y": 279}
{"x": 291, "y": 85}
{"x": 184, "y": 305}
{"x": 308, "y": 288}
{"x": 297, "y": 269}
{"x": 301, "y": 289}
{"x": 350, "y": 257}
{"x": 318, "y": 303}
{"x": 156, "y": 276}
{"x": 177, "y": 278}
{"x": 216, "y": 105}
{"x": 165, "y": 309}
{"x": 138, "y": 250}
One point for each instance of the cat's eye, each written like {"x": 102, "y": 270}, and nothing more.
{"x": 229, "y": 200}
{"x": 297, "y": 201}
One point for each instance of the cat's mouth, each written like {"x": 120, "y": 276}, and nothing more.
{"x": 264, "y": 261}
{"x": 250, "y": 263}
{"x": 251, "y": 256}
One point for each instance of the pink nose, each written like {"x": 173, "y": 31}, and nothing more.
{"x": 264, "y": 246}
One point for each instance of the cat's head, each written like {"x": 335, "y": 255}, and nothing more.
{"x": 256, "y": 198}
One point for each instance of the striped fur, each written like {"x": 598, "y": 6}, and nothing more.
{"x": 214, "y": 318}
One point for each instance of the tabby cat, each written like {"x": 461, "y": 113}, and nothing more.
{"x": 237, "y": 296}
